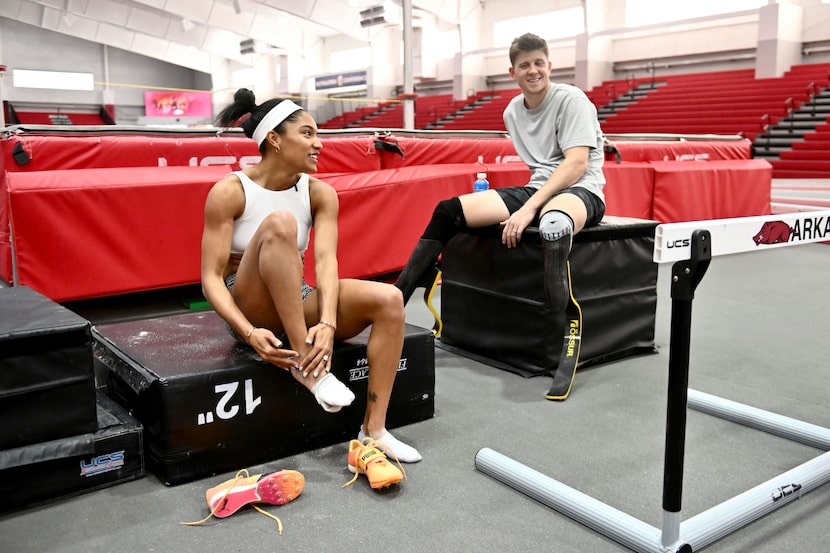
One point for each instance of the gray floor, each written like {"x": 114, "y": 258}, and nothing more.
{"x": 759, "y": 336}
{"x": 801, "y": 191}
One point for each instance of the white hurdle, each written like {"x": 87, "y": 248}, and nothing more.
{"x": 690, "y": 246}
{"x": 743, "y": 234}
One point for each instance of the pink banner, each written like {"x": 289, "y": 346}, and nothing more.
{"x": 177, "y": 104}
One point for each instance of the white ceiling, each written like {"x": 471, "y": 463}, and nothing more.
{"x": 190, "y": 32}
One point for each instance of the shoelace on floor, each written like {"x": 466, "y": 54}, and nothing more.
{"x": 241, "y": 475}
{"x": 369, "y": 443}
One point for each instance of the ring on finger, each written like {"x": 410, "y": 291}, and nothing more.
{"x": 325, "y": 358}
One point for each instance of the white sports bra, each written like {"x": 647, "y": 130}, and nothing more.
{"x": 260, "y": 202}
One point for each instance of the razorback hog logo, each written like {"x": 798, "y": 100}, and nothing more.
{"x": 773, "y": 232}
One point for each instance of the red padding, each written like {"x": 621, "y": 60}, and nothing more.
{"x": 383, "y": 213}
{"x": 348, "y": 155}
{"x": 83, "y": 152}
{"x": 5, "y": 237}
{"x": 426, "y": 151}
{"x": 504, "y": 174}
{"x": 102, "y": 230}
{"x": 353, "y": 154}
{"x": 692, "y": 150}
{"x": 340, "y": 154}
{"x": 629, "y": 189}
{"x": 98, "y": 232}
{"x": 714, "y": 190}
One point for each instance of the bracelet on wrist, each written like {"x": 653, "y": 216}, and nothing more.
{"x": 328, "y": 324}
{"x": 248, "y": 336}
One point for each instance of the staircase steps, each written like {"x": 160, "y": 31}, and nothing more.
{"x": 798, "y": 145}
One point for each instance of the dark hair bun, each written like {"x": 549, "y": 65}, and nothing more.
{"x": 244, "y": 99}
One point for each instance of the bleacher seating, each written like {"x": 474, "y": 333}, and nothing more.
{"x": 621, "y": 90}
{"x": 483, "y": 113}
{"x": 430, "y": 109}
{"x": 341, "y": 121}
{"x": 61, "y": 118}
{"x": 387, "y": 115}
{"x": 809, "y": 158}
{"x": 439, "y": 111}
{"x": 348, "y": 119}
{"x": 731, "y": 102}
{"x": 722, "y": 102}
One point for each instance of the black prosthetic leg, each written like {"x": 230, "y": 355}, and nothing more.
{"x": 420, "y": 270}
{"x": 566, "y": 313}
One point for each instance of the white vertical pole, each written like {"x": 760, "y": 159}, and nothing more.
{"x": 408, "y": 85}
{"x": 2, "y": 96}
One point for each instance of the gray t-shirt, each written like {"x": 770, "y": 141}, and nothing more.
{"x": 565, "y": 118}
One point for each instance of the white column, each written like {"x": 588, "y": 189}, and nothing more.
{"x": 221, "y": 83}
{"x": 594, "y": 60}
{"x": 779, "y": 39}
{"x": 3, "y": 77}
{"x": 408, "y": 84}
{"x": 468, "y": 70}
{"x": 594, "y": 63}
{"x": 282, "y": 83}
{"x": 266, "y": 78}
{"x": 386, "y": 71}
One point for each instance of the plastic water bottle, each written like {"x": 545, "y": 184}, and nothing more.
{"x": 481, "y": 183}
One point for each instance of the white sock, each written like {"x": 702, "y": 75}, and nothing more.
{"x": 395, "y": 448}
{"x": 331, "y": 394}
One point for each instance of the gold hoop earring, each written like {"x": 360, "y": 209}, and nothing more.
{"x": 277, "y": 149}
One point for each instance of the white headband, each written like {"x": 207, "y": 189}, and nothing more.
{"x": 277, "y": 115}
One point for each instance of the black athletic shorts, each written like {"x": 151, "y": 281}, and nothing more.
{"x": 514, "y": 197}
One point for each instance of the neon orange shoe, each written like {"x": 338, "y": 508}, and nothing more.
{"x": 365, "y": 457}
{"x": 277, "y": 488}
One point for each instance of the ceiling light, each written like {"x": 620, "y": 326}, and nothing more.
{"x": 384, "y": 13}
{"x": 58, "y": 80}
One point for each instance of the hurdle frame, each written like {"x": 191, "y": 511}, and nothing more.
{"x": 691, "y": 246}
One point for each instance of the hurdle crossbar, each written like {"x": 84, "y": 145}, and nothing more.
{"x": 690, "y": 246}
{"x": 742, "y": 234}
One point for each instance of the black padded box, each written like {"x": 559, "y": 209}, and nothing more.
{"x": 493, "y": 300}
{"x": 46, "y": 471}
{"x": 209, "y": 404}
{"x": 47, "y": 384}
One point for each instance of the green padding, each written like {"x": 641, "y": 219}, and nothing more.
{"x": 196, "y": 304}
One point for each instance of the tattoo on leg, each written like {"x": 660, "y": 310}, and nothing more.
{"x": 373, "y": 397}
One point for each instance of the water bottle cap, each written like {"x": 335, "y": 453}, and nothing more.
{"x": 481, "y": 176}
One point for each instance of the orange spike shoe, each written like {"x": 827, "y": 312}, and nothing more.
{"x": 365, "y": 457}
{"x": 277, "y": 488}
